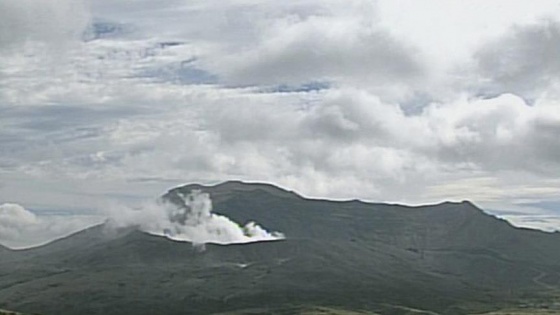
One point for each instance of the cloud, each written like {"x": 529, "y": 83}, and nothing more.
{"x": 263, "y": 43}
{"x": 156, "y": 95}
{"x": 327, "y": 48}
{"x": 348, "y": 135}
{"x": 523, "y": 61}
{"x": 50, "y": 22}
{"x": 485, "y": 132}
{"x": 550, "y": 223}
{"x": 20, "y": 227}
{"x": 13, "y": 220}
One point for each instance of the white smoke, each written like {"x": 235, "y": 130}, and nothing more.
{"x": 191, "y": 221}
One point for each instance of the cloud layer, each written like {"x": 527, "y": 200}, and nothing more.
{"x": 47, "y": 22}
{"x": 123, "y": 100}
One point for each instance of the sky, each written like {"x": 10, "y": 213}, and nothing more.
{"x": 105, "y": 103}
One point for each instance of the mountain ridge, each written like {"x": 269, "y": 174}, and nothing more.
{"x": 448, "y": 258}
{"x": 233, "y": 185}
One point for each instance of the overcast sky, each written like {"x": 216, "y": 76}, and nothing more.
{"x": 105, "y": 102}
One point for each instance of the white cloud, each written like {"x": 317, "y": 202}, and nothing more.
{"x": 523, "y": 61}
{"x": 348, "y": 135}
{"x": 21, "y": 228}
{"x": 13, "y": 219}
{"x": 450, "y": 30}
{"x": 343, "y": 50}
{"x": 50, "y": 22}
{"x": 502, "y": 133}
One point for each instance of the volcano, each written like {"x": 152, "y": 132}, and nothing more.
{"x": 448, "y": 258}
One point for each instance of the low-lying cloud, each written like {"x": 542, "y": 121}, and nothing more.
{"x": 14, "y": 219}
{"x": 20, "y": 228}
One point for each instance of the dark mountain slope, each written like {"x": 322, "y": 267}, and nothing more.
{"x": 450, "y": 258}
{"x": 453, "y": 239}
{"x": 459, "y": 226}
{"x": 4, "y": 251}
{"x": 140, "y": 270}
{"x": 81, "y": 240}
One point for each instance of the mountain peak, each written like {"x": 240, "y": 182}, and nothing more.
{"x": 228, "y": 188}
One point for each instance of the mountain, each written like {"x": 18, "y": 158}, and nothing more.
{"x": 7, "y": 253}
{"x": 5, "y": 312}
{"x": 449, "y": 258}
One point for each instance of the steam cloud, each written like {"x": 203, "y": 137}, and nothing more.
{"x": 191, "y": 221}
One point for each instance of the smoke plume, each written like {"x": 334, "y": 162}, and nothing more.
{"x": 192, "y": 221}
